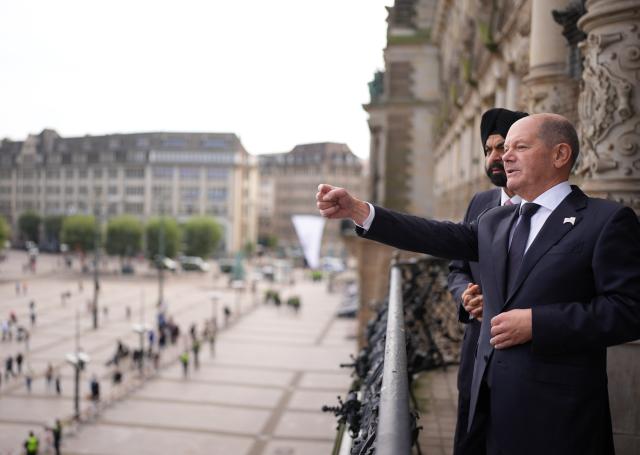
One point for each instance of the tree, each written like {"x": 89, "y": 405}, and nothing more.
{"x": 52, "y": 228}
{"x": 124, "y": 236}
{"x": 29, "y": 226}
{"x": 5, "y": 232}
{"x": 78, "y": 231}
{"x": 201, "y": 236}
{"x": 171, "y": 235}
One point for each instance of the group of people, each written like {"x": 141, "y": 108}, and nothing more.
{"x": 546, "y": 279}
{"x": 194, "y": 345}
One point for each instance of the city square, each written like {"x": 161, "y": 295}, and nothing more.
{"x": 261, "y": 392}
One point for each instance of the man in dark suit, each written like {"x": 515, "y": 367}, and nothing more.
{"x": 464, "y": 279}
{"x": 560, "y": 279}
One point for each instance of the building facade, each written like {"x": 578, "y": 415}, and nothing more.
{"x": 142, "y": 174}
{"x": 578, "y": 58}
{"x": 288, "y": 182}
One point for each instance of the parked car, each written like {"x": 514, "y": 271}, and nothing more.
{"x": 195, "y": 263}
{"x": 166, "y": 264}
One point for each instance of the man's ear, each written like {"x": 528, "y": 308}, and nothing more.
{"x": 561, "y": 155}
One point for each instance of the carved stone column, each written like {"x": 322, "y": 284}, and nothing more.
{"x": 609, "y": 109}
{"x": 609, "y": 105}
{"x": 550, "y": 86}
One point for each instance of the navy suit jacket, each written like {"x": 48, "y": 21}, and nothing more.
{"x": 581, "y": 280}
{"x": 462, "y": 273}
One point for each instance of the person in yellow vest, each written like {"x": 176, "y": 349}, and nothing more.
{"x": 31, "y": 444}
{"x": 184, "y": 359}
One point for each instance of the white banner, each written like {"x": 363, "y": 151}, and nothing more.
{"x": 309, "y": 229}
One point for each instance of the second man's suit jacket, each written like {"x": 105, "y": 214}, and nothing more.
{"x": 462, "y": 273}
{"x": 581, "y": 279}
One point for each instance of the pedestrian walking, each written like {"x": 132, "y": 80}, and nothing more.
{"x": 184, "y": 360}
{"x": 24, "y": 287}
{"x": 6, "y": 331}
{"x": 56, "y": 432}
{"x": 32, "y": 312}
{"x": 192, "y": 331}
{"x": 94, "y": 385}
{"x": 227, "y": 315}
{"x": 19, "y": 360}
{"x": 195, "y": 347}
{"x": 31, "y": 444}
{"x": 8, "y": 368}
{"x": 28, "y": 380}
{"x": 48, "y": 376}
{"x": 127, "y": 312}
{"x": 58, "y": 384}
{"x": 17, "y": 288}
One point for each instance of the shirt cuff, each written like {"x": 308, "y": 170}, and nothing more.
{"x": 366, "y": 224}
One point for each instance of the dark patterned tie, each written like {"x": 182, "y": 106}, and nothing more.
{"x": 519, "y": 243}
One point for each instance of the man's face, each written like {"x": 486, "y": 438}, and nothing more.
{"x": 528, "y": 161}
{"x": 493, "y": 150}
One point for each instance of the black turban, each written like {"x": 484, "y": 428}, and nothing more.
{"x": 498, "y": 121}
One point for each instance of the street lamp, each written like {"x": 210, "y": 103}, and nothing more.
{"x": 215, "y": 297}
{"x": 96, "y": 266}
{"x": 78, "y": 360}
{"x": 160, "y": 261}
{"x": 141, "y": 329}
{"x": 238, "y": 285}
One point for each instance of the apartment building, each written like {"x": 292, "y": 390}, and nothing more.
{"x": 288, "y": 184}
{"x": 141, "y": 174}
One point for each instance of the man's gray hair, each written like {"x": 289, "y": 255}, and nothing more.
{"x": 556, "y": 130}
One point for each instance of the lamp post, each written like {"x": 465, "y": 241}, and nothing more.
{"x": 78, "y": 360}
{"x": 96, "y": 267}
{"x": 141, "y": 329}
{"x": 160, "y": 261}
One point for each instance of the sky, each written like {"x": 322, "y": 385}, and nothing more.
{"x": 277, "y": 73}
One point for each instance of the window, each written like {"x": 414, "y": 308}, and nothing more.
{"x": 189, "y": 173}
{"x": 82, "y": 173}
{"x": 82, "y": 190}
{"x": 189, "y": 194}
{"x": 53, "y": 174}
{"x": 112, "y": 190}
{"x": 142, "y": 142}
{"x": 68, "y": 190}
{"x": 134, "y": 190}
{"x": 113, "y": 173}
{"x": 68, "y": 173}
{"x": 174, "y": 142}
{"x": 136, "y": 208}
{"x": 217, "y": 173}
{"x": 216, "y": 194}
{"x": 163, "y": 172}
{"x": 213, "y": 143}
{"x": 134, "y": 173}
{"x": 97, "y": 190}
{"x": 97, "y": 173}
{"x": 114, "y": 143}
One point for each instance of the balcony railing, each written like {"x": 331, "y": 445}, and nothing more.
{"x": 415, "y": 329}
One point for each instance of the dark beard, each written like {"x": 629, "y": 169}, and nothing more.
{"x": 497, "y": 179}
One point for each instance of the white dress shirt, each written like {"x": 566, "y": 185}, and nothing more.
{"x": 548, "y": 202}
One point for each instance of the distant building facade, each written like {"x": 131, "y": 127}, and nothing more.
{"x": 288, "y": 182}
{"x": 142, "y": 174}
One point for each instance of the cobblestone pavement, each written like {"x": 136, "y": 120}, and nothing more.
{"x": 261, "y": 392}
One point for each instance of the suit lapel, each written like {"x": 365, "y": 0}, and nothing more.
{"x": 553, "y": 230}
{"x": 499, "y": 251}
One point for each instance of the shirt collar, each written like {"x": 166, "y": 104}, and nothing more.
{"x": 504, "y": 197}
{"x": 552, "y": 198}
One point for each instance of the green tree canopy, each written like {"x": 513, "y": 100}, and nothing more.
{"x": 78, "y": 231}
{"x": 201, "y": 236}
{"x": 124, "y": 236}
{"x": 5, "y": 232}
{"x": 52, "y": 227}
{"x": 171, "y": 235}
{"x": 29, "y": 226}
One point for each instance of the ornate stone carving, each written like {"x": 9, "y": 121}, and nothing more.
{"x": 609, "y": 103}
